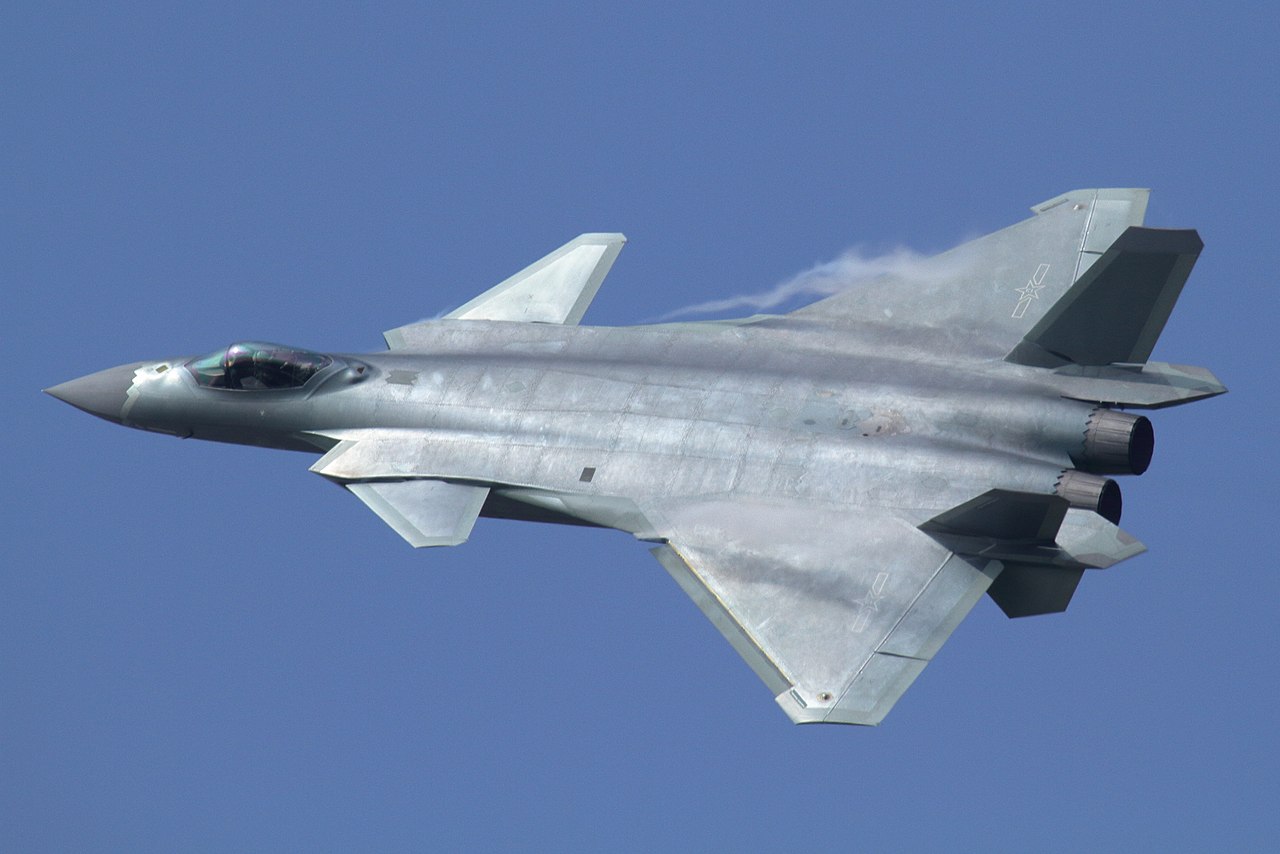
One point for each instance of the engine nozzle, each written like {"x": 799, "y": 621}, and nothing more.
{"x": 1115, "y": 443}
{"x": 1090, "y": 492}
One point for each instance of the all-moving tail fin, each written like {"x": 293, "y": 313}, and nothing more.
{"x": 1115, "y": 311}
{"x": 1043, "y": 546}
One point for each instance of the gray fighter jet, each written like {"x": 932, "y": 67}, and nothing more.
{"x": 834, "y": 487}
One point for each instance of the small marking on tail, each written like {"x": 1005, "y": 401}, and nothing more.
{"x": 1030, "y": 291}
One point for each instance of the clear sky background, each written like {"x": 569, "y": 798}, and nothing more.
{"x": 206, "y": 647}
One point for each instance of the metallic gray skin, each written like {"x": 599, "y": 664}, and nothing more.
{"x": 835, "y": 487}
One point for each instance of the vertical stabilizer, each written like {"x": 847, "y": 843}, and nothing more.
{"x": 1115, "y": 312}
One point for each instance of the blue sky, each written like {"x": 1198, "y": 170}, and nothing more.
{"x": 208, "y": 648}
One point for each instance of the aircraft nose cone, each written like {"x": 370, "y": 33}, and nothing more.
{"x": 101, "y": 394}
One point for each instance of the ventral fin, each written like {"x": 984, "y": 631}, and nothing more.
{"x": 424, "y": 512}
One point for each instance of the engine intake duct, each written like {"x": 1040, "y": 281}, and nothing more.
{"x": 1115, "y": 443}
{"x": 1090, "y": 492}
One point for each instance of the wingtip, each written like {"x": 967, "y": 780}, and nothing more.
{"x": 1135, "y": 194}
{"x": 600, "y": 237}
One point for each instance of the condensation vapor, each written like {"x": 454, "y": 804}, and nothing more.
{"x": 851, "y": 269}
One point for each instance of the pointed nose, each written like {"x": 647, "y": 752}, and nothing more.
{"x": 101, "y": 394}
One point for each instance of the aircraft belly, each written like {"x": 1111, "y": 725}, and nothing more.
{"x": 543, "y": 426}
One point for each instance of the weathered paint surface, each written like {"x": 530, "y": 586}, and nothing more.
{"x": 835, "y": 487}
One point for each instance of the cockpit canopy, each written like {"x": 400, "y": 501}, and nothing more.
{"x": 253, "y": 365}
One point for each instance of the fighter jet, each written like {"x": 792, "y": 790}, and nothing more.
{"x": 834, "y": 487}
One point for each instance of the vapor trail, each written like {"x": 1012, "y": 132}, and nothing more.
{"x": 830, "y": 277}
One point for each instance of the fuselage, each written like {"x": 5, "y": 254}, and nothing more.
{"x": 680, "y": 409}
